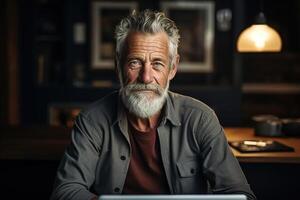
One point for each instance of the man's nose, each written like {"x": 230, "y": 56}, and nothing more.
{"x": 146, "y": 74}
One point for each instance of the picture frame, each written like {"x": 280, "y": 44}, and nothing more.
{"x": 105, "y": 17}
{"x": 195, "y": 21}
{"x": 63, "y": 114}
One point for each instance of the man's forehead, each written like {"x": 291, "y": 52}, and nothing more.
{"x": 146, "y": 41}
{"x": 154, "y": 39}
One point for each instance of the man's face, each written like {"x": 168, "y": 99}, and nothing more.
{"x": 147, "y": 72}
{"x": 147, "y": 59}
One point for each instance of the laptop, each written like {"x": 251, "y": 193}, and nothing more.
{"x": 175, "y": 197}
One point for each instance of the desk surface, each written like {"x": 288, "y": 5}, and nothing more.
{"x": 49, "y": 144}
{"x": 235, "y": 134}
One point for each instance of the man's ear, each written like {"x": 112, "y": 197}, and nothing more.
{"x": 174, "y": 67}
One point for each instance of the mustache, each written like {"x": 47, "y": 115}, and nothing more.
{"x": 140, "y": 86}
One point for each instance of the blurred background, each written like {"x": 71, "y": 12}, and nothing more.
{"x": 57, "y": 56}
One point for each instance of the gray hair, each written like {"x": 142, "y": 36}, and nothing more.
{"x": 146, "y": 22}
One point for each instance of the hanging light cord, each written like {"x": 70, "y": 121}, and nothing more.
{"x": 261, "y": 6}
{"x": 261, "y": 18}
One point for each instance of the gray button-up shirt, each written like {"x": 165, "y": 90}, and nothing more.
{"x": 195, "y": 153}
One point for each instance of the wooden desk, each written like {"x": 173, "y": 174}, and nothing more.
{"x": 49, "y": 144}
{"x": 235, "y": 134}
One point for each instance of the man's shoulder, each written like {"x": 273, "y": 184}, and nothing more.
{"x": 191, "y": 111}
{"x": 106, "y": 105}
{"x": 184, "y": 103}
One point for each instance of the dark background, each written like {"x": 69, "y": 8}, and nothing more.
{"x": 25, "y": 102}
{"x": 34, "y": 27}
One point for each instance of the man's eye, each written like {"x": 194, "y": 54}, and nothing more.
{"x": 135, "y": 64}
{"x": 157, "y": 65}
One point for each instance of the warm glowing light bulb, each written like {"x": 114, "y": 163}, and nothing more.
{"x": 259, "y": 37}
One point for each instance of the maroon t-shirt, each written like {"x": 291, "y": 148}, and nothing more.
{"x": 146, "y": 174}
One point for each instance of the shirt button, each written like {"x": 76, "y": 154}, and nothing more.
{"x": 117, "y": 189}
{"x": 123, "y": 158}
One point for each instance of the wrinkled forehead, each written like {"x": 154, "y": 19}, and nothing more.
{"x": 146, "y": 41}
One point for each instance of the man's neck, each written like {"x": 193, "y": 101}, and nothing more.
{"x": 144, "y": 124}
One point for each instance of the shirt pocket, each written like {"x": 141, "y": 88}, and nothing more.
{"x": 188, "y": 168}
{"x": 190, "y": 179}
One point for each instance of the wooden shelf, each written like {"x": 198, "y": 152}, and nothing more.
{"x": 271, "y": 88}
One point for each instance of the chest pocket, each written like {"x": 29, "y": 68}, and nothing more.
{"x": 188, "y": 168}
{"x": 190, "y": 179}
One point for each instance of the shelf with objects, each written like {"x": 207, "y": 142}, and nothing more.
{"x": 42, "y": 55}
{"x": 271, "y": 85}
{"x": 49, "y": 43}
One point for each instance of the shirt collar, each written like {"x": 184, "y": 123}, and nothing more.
{"x": 121, "y": 117}
{"x": 170, "y": 112}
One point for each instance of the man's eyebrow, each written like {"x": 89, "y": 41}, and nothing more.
{"x": 158, "y": 58}
{"x": 132, "y": 57}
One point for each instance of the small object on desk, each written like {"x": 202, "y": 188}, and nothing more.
{"x": 267, "y": 125}
{"x": 251, "y": 146}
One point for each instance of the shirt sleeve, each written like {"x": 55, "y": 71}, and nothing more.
{"x": 76, "y": 172}
{"x": 220, "y": 166}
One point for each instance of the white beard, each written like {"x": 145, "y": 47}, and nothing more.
{"x": 144, "y": 104}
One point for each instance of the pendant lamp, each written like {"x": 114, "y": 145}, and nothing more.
{"x": 259, "y": 37}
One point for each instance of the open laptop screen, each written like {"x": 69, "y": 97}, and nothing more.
{"x": 174, "y": 197}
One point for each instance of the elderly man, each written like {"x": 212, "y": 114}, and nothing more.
{"x": 145, "y": 139}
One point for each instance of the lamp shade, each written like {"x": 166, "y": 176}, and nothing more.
{"x": 259, "y": 38}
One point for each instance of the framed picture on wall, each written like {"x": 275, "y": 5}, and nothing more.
{"x": 105, "y": 17}
{"x": 195, "y": 21}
